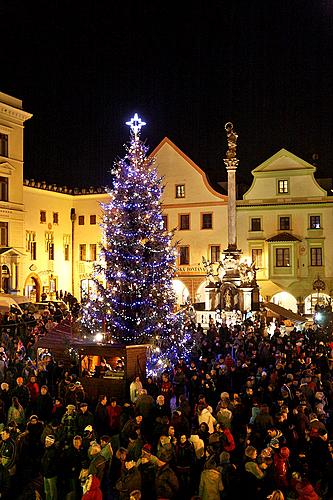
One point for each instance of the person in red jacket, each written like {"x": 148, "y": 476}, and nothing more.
{"x": 91, "y": 489}
{"x": 281, "y": 467}
{"x": 302, "y": 487}
{"x": 114, "y": 412}
{"x": 228, "y": 439}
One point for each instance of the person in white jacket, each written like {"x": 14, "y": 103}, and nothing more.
{"x": 207, "y": 417}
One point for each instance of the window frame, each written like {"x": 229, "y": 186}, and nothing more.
{"x": 82, "y": 252}
{"x": 55, "y": 218}
{"x": 51, "y": 250}
{"x": 281, "y": 186}
{"x": 187, "y": 247}
{"x": 4, "y": 230}
{"x": 284, "y": 261}
{"x": 180, "y": 193}
{"x": 259, "y": 265}
{"x": 252, "y": 228}
{"x": 81, "y": 220}
{"x": 314, "y": 258}
{"x": 203, "y": 214}
{"x": 314, "y": 216}
{"x": 180, "y": 219}
{"x": 4, "y": 188}
{"x": 92, "y": 254}
{"x": 284, "y": 217}
{"x": 93, "y": 219}
{"x": 165, "y": 222}
{"x": 42, "y": 216}
{"x": 216, "y": 252}
{"x": 4, "y": 140}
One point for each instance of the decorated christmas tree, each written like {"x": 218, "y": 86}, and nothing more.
{"x": 134, "y": 300}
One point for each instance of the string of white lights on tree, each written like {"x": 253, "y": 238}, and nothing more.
{"x": 135, "y": 301}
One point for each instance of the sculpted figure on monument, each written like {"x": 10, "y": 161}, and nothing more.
{"x": 228, "y": 300}
{"x": 232, "y": 140}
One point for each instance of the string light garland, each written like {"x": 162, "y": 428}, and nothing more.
{"x": 134, "y": 300}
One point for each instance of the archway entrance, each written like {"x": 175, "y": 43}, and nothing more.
{"x": 181, "y": 291}
{"x": 313, "y": 299}
{"x": 286, "y": 300}
{"x": 87, "y": 289}
{"x": 200, "y": 295}
{"x": 32, "y": 287}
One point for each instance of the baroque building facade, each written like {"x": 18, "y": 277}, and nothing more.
{"x": 50, "y": 235}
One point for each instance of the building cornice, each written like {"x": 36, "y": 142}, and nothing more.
{"x": 322, "y": 201}
{"x": 15, "y": 113}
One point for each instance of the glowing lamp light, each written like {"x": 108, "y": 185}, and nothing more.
{"x": 98, "y": 337}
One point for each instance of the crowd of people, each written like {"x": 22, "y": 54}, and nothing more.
{"x": 247, "y": 416}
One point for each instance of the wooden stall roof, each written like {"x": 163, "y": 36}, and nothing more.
{"x": 98, "y": 349}
{"x": 58, "y": 340}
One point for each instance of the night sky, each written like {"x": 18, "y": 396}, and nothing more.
{"x": 83, "y": 70}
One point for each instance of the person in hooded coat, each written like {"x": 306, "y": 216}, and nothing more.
{"x": 281, "y": 467}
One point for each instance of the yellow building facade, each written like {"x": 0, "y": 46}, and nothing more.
{"x": 50, "y": 235}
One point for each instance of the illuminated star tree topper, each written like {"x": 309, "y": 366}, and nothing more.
{"x": 136, "y": 124}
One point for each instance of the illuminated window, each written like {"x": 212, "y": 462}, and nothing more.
{"x": 285, "y": 223}
{"x": 66, "y": 251}
{"x": 184, "y": 255}
{"x": 316, "y": 256}
{"x": 51, "y": 251}
{"x": 184, "y": 222}
{"x": 283, "y": 186}
{"x": 42, "y": 216}
{"x": 282, "y": 257}
{"x": 315, "y": 222}
{"x": 93, "y": 219}
{"x": 30, "y": 238}
{"x": 256, "y": 224}
{"x": 83, "y": 252}
{"x": 67, "y": 242}
{"x": 215, "y": 253}
{"x": 81, "y": 220}
{"x": 4, "y": 188}
{"x": 3, "y": 144}
{"x": 206, "y": 221}
{"x": 165, "y": 222}
{"x": 257, "y": 256}
{"x": 93, "y": 251}
{"x": 180, "y": 191}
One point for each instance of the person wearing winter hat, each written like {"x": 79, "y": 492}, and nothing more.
{"x": 50, "y": 468}
{"x": 84, "y": 417}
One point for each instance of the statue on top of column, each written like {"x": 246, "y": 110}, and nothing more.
{"x": 232, "y": 140}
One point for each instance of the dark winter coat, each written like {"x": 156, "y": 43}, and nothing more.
{"x": 128, "y": 482}
{"x": 144, "y": 406}
{"x": 50, "y": 463}
{"x": 166, "y": 483}
{"x": 44, "y": 406}
{"x": 23, "y": 395}
{"x": 84, "y": 419}
{"x": 101, "y": 419}
{"x": 8, "y": 453}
